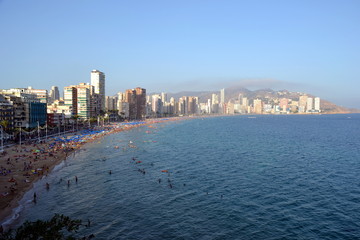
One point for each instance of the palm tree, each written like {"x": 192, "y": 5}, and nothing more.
{"x": 76, "y": 118}
{"x": 4, "y": 124}
{"x": 93, "y": 119}
{"x": 106, "y": 119}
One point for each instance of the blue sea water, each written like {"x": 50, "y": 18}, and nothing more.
{"x": 268, "y": 177}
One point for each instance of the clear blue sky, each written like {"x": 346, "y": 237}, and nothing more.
{"x": 169, "y": 45}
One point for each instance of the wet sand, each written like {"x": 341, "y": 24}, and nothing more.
{"x": 19, "y": 169}
{"x": 21, "y": 166}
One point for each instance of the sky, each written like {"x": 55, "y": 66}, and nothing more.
{"x": 310, "y": 46}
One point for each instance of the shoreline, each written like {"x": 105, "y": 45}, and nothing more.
{"x": 22, "y": 166}
{"x": 11, "y": 192}
{"x": 24, "y": 183}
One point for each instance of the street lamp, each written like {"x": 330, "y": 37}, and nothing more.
{"x": 64, "y": 124}
{"x": 38, "y": 131}
{"x": 2, "y": 139}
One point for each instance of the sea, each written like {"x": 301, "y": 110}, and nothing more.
{"x": 229, "y": 177}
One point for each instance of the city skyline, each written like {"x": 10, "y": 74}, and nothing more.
{"x": 86, "y": 101}
{"x": 172, "y": 47}
{"x": 29, "y": 107}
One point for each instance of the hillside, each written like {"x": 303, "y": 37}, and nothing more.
{"x": 263, "y": 94}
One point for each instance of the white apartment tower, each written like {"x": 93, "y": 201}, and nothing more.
{"x": 156, "y": 103}
{"x": 309, "y": 104}
{"x": 54, "y": 93}
{"x": 222, "y": 101}
{"x": 163, "y": 97}
{"x": 222, "y": 96}
{"x": 98, "y": 81}
{"x": 214, "y": 99}
{"x": 317, "y": 104}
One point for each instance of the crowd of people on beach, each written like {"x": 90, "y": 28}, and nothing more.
{"x": 4, "y": 171}
{"x": 21, "y": 165}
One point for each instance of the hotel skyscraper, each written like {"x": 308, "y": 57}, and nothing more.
{"x": 98, "y": 81}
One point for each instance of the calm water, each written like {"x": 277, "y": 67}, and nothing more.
{"x": 269, "y": 177}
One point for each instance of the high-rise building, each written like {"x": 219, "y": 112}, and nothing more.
{"x": 89, "y": 101}
{"x": 182, "y": 106}
{"x": 244, "y": 102}
{"x": 208, "y": 110}
{"x": 284, "y": 103}
{"x": 83, "y": 102}
{"x": 214, "y": 103}
{"x": 257, "y": 106}
{"x": 156, "y": 104}
{"x": 70, "y": 99}
{"x": 122, "y": 105}
{"x": 309, "y": 104}
{"x": 172, "y": 109}
{"x": 230, "y": 108}
{"x": 54, "y": 93}
{"x": 222, "y": 96}
{"x": 192, "y": 105}
{"x": 137, "y": 102}
{"x": 214, "y": 99}
{"x": 317, "y": 104}
{"x": 95, "y": 99}
{"x": 111, "y": 103}
{"x": 222, "y": 108}
{"x": 244, "y": 105}
{"x": 98, "y": 81}
{"x": 163, "y": 97}
{"x": 140, "y": 102}
{"x": 302, "y": 103}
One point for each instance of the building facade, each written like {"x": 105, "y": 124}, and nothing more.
{"x": 98, "y": 81}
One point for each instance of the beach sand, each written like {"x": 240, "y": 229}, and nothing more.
{"x": 21, "y": 166}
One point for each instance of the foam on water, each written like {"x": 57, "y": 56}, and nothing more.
{"x": 27, "y": 200}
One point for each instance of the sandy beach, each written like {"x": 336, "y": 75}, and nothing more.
{"x": 21, "y": 166}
